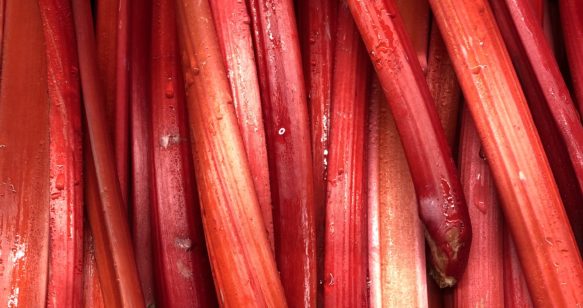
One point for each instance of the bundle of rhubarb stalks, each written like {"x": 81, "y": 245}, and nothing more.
{"x": 281, "y": 153}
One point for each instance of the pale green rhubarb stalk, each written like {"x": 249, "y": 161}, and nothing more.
{"x": 528, "y": 193}
{"x": 242, "y": 261}
{"x": 487, "y": 247}
{"x": 66, "y": 157}
{"x": 114, "y": 251}
{"x": 24, "y": 159}
{"x": 345, "y": 242}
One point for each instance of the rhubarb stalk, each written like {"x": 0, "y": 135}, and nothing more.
{"x": 529, "y": 195}
{"x": 114, "y": 251}
{"x": 572, "y": 25}
{"x": 515, "y": 289}
{"x": 182, "y": 267}
{"x": 288, "y": 139}
{"x": 373, "y": 196}
{"x": 486, "y": 253}
{"x": 403, "y": 265}
{"x": 553, "y": 111}
{"x": 441, "y": 204}
{"x": 66, "y": 157}
{"x": 140, "y": 144}
{"x": 24, "y": 159}
{"x": 233, "y": 28}
{"x": 415, "y": 14}
{"x": 345, "y": 249}
{"x": 242, "y": 262}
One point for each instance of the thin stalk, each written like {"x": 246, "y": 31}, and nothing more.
{"x": 2, "y": 29}
{"x": 515, "y": 288}
{"x": 441, "y": 204}
{"x": 92, "y": 294}
{"x": 529, "y": 195}
{"x": 183, "y": 273}
{"x": 122, "y": 92}
{"x": 233, "y": 28}
{"x": 403, "y": 263}
{"x": 345, "y": 244}
{"x": 242, "y": 261}
{"x": 288, "y": 139}
{"x": 415, "y": 14}
{"x": 486, "y": 254}
{"x": 140, "y": 147}
{"x": 571, "y": 12}
{"x": 443, "y": 86}
{"x": 373, "y": 196}
{"x": 24, "y": 159}
{"x": 114, "y": 251}
{"x": 66, "y": 203}
{"x": 317, "y": 28}
{"x": 553, "y": 111}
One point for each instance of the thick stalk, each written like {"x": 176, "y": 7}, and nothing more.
{"x": 182, "y": 267}
{"x": 403, "y": 264}
{"x": 140, "y": 147}
{"x": 66, "y": 157}
{"x": 529, "y": 195}
{"x": 487, "y": 250}
{"x": 24, "y": 159}
{"x": 234, "y": 31}
{"x": 114, "y": 251}
{"x": 288, "y": 139}
{"x": 345, "y": 244}
{"x": 441, "y": 204}
{"x": 553, "y": 111}
{"x": 243, "y": 265}
{"x": 572, "y": 25}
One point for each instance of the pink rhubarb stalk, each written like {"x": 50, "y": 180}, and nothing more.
{"x": 66, "y": 157}
{"x": 345, "y": 243}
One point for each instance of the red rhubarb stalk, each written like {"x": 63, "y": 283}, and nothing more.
{"x": 515, "y": 288}
{"x": 92, "y": 294}
{"x": 288, "y": 139}
{"x": 415, "y": 14}
{"x": 443, "y": 85}
{"x": 242, "y": 261}
{"x": 317, "y": 28}
{"x": 529, "y": 195}
{"x": 403, "y": 269}
{"x": 572, "y": 25}
{"x": 24, "y": 159}
{"x": 140, "y": 144}
{"x": 441, "y": 204}
{"x": 2, "y": 27}
{"x": 234, "y": 31}
{"x": 373, "y": 196}
{"x": 66, "y": 157}
{"x": 183, "y": 274}
{"x": 486, "y": 253}
{"x": 121, "y": 122}
{"x": 345, "y": 244}
{"x": 114, "y": 251}
{"x": 553, "y": 111}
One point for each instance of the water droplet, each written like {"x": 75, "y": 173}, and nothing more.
{"x": 195, "y": 70}
{"x": 482, "y": 154}
{"x": 169, "y": 92}
{"x": 481, "y": 205}
{"x": 281, "y": 131}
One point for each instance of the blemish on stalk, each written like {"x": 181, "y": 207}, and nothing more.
{"x": 184, "y": 270}
{"x": 167, "y": 140}
{"x": 549, "y": 241}
{"x": 13, "y": 299}
{"x": 2, "y": 146}
{"x": 521, "y": 176}
{"x": 478, "y": 69}
{"x": 332, "y": 280}
{"x": 183, "y": 243}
